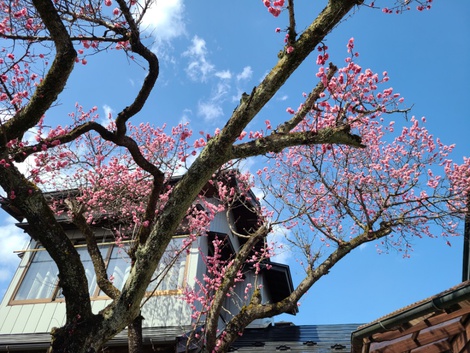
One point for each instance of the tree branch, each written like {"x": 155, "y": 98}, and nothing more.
{"x": 255, "y": 311}
{"x": 308, "y": 105}
{"x": 123, "y": 141}
{"x": 55, "y": 80}
{"x": 149, "y": 81}
{"x": 291, "y": 31}
{"x": 211, "y": 327}
{"x": 44, "y": 227}
{"x": 277, "y": 142}
{"x": 95, "y": 254}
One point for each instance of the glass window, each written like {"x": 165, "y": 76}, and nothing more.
{"x": 89, "y": 269}
{"x": 41, "y": 279}
{"x": 119, "y": 266}
{"x": 41, "y": 282}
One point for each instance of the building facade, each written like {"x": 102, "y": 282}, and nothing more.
{"x": 33, "y": 303}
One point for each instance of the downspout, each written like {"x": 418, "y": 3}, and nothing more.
{"x": 438, "y": 303}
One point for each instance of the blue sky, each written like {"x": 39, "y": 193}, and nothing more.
{"x": 212, "y": 53}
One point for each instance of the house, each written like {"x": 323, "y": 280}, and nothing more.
{"x": 33, "y": 303}
{"x": 439, "y": 324}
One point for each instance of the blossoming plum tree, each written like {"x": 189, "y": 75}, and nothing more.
{"x": 337, "y": 174}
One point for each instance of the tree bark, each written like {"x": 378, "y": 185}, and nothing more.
{"x": 134, "y": 334}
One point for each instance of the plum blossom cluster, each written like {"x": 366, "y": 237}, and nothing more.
{"x": 324, "y": 56}
{"x": 391, "y": 190}
{"x": 352, "y": 96}
{"x": 17, "y": 18}
{"x": 405, "y": 5}
{"x": 274, "y": 7}
{"x": 18, "y": 79}
{"x": 201, "y": 298}
{"x": 340, "y": 193}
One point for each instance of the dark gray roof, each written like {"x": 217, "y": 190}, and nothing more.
{"x": 279, "y": 338}
{"x": 40, "y": 341}
{"x": 290, "y": 338}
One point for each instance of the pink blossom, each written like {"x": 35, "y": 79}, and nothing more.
{"x": 274, "y": 11}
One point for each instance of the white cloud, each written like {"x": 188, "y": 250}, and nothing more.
{"x": 107, "y": 110}
{"x": 220, "y": 91}
{"x": 198, "y": 47}
{"x": 185, "y": 117}
{"x": 199, "y": 67}
{"x": 108, "y": 114}
{"x": 245, "y": 74}
{"x": 283, "y": 98}
{"x": 224, "y": 74}
{"x": 164, "y": 20}
{"x": 209, "y": 111}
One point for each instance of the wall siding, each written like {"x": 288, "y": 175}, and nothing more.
{"x": 57, "y": 318}
{"x": 4, "y": 310}
{"x": 36, "y": 315}
{"x": 166, "y": 311}
{"x": 10, "y": 319}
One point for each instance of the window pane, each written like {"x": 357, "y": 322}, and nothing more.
{"x": 170, "y": 271}
{"x": 89, "y": 269}
{"x": 119, "y": 267}
{"x": 40, "y": 280}
{"x": 88, "y": 265}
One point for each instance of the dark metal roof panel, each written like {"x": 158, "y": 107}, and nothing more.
{"x": 36, "y": 341}
{"x": 279, "y": 338}
{"x": 290, "y": 338}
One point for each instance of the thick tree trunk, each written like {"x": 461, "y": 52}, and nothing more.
{"x": 76, "y": 337}
{"x": 134, "y": 334}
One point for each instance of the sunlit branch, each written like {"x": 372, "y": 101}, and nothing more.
{"x": 277, "y": 142}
